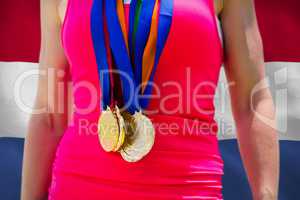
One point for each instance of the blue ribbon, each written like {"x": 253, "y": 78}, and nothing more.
{"x": 164, "y": 25}
{"x": 119, "y": 51}
{"x": 132, "y": 14}
{"x": 121, "y": 57}
{"x": 141, "y": 37}
{"x": 97, "y": 29}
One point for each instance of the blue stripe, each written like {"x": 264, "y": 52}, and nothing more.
{"x": 11, "y": 154}
{"x": 235, "y": 186}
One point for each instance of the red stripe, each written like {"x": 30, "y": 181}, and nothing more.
{"x": 280, "y": 29}
{"x": 19, "y": 35}
{"x": 278, "y": 22}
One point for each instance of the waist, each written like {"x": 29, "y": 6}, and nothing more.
{"x": 172, "y": 133}
{"x": 182, "y": 148}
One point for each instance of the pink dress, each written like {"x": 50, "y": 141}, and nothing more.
{"x": 185, "y": 162}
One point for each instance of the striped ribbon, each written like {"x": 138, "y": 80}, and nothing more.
{"x": 136, "y": 53}
{"x": 166, "y": 8}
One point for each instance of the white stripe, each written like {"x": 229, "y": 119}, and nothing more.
{"x": 13, "y": 122}
{"x": 284, "y": 79}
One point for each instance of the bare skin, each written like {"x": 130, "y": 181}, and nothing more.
{"x": 244, "y": 67}
{"x": 45, "y": 130}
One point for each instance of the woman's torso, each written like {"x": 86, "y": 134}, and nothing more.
{"x": 191, "y": 59}
{"x": 185, "y": 153}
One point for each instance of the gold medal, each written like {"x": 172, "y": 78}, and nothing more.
{"x": 131, "y": 135}
{"x": 111, "y": 129}
{"x": 140, "y": 140}
{"x": 122, "y": 129}
{"x": 129, "y": 123}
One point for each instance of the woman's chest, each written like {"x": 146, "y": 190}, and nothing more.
{"x": 193, "y": 42}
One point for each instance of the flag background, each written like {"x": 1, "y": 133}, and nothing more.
{"x": 279, "y": 25}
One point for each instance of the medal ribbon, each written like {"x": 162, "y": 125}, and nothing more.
{"x": 121, "y": 57}
{"x": 135, "y": 54}
{"x": 133, "y": 16}
{"x": 164, "y": 24}
{"x": 121, "y": 15}
{"x": 141, "y": 36}
{"x": 97, "y": 31}
{"x": 150, "y": 49}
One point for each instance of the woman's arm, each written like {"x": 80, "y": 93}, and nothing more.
{"x": 244, "y": 66}
{"x": 46, "y": 128}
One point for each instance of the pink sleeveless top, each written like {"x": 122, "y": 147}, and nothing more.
{"x": 185, "y": 162}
